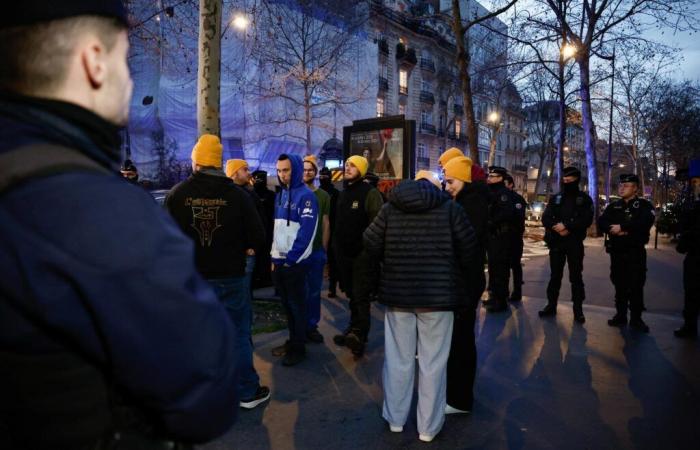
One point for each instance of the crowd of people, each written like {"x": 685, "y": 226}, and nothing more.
{"x": 126, "y": 325}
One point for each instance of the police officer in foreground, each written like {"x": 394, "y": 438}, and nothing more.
{"x": 626, "y": 223}
{"x": 504, "y": 226}
{"x": 516, "y": 255}
{"x": 566, "y": 219}
{"x": 689, "y": 243}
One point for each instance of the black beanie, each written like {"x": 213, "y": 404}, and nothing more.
{"x": 29, "y": 12}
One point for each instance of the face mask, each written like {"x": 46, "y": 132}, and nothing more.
{"x": 571, "y": 187}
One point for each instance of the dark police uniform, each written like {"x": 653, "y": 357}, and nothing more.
{"x": 689, "y": 243}
{"x": 628, "y": 257}
{"x": 574, "y": 209}
{"x": 517, "y": 249}
{"x": 504, "y": 229}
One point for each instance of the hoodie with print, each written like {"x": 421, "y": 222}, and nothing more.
{"x": 296, "y": 215}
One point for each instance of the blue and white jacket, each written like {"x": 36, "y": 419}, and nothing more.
{"x": 296, "y": 215}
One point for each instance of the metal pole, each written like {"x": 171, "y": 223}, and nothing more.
{"x": 608, "y": 180}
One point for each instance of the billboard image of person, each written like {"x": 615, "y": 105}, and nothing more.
{"x": 383, "y": 149}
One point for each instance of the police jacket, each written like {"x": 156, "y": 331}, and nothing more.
{"x": 427, "y": 248}
{"x": 574, "y": 210}
{"x": 504, "y": 210}
{"x": 357, "y": 206}
{"x": 220, "y": 218}
{"x": 105, "y": 324}
{"x": 689, "y": 239}
{"x": 635, "y": 217}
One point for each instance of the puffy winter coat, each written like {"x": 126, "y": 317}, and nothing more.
{"x": 426, "y": 245}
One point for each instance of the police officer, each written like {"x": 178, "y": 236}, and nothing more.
{"x": 517, "y": 254}
{"x": 566, "y": 219}
{"x": 689, "y": 243}
{"x": 626, "y": 223}
{"x": 503, "y": 231}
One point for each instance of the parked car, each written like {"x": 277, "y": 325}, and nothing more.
{"x": 534, "y": 211}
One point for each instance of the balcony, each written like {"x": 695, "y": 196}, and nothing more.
{"x": 458, "y": 109}
{"x": 383, "y": 84}
{"x": 519, "y": 168}
{"x": 427, "y": 97}
{"x": 427, "y": 65}
{"x": 427, "y": 128}
{"x": 406, "y": 57}
{"x": 423, "y": 162}
{"x": 461, "y": 137}
{"x": 383, "y": 47}
{"x": 441, "y": 132}
{"x": 403, "y": 90}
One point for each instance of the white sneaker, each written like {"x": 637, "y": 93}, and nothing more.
{"x": 451, "y": 410}
{"x": 425, "y": 437}
{"x": 396, "y": 428}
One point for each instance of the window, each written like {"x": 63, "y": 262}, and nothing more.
{"x": 403, "y": 81}
{"x": 422, "y": 150}
{"x": 426, "y": 86}
{"x": 381, "y": 107}
{"x": 402, "y": 109}
{"x": 383, "y": 71}
{"x": 458, "y": 126}
{"x": 426, "y": 117}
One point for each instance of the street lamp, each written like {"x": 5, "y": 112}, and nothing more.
{"x": 568, "y": 51}
{"x": 240, "y": 21}
{"x": 493, "y": 117}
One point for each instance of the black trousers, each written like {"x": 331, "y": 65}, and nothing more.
{"x": 691, "y": 285}
{"x": 332, "y": 270}
{"x": 566, "y": 251}
{"x": 358, "y": 277}
{"x": 461, "y": 364}
{"x": 500, "y": 248}
{"x": 516, "y": 266}
{"x": 628, "y": 273}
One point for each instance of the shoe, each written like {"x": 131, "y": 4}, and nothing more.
{"x": 293, "y": 358}
{"x": 618, "y": 320}
{"x": 451, "y": 410}
{"x": 314, "y": 336}
{"x": 355, "y": 344}
{"x": 396, "y": 428}
{"x": 280, "y": 350}
{"x": 339, "y": 339}
{"x": 426, "y": 437}
{"x": 548, "y": 311}
{"x": 331, "y": 294}
{"x": 639, "y": 325}
{"x": 261, "y": 395}
{"x": 686, "y": 332}
{"x": 496, "y": 307}
{"x": 578, "y": 314}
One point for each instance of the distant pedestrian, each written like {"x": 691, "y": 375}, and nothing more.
{"x": 317, "y": 260}
{"x": 427, "y": 247}
{"x": 357, "y": 206}
{"x": 461, "y": 365}
{"x": 626, "y": 223}
{"x": 221, "y": 220}
{"x": 516, "y": 256}
{"x": 566, "y": 220}
{"x": 129, "y": 171}
{"x": 296, "y": 217}
{"x": 326, "y": 183}
{"x": 689, "y": 243}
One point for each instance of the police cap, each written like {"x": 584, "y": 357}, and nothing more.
{"x": 30, "y": 12}
{"x": 260, "y": 175}
{"x": 498, "y": 170}
{"x": 571, "y": 171}
{"x": 629, "y": 178}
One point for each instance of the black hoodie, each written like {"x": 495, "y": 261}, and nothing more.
{"x": 427, "y": 246}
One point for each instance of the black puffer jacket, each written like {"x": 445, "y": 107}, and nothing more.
{"x": 426, "y": 245}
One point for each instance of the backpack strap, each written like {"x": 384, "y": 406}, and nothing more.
{"x": 42, "y": 160}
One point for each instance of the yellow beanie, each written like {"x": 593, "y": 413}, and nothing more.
{"x": 359, "y": 162}
{"x": 459, "y": 168}
{"x": 311, "y": 159}
{"x": 430, "y": 176}
{"x": 232, "y": 166}
{"x": 208, "y": 151}
{"x": 453, "y": 152}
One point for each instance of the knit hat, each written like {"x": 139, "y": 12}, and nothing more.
{"x": 311, "y": 159}
{"x": 429, "y": 176}
{"x": 233, "y": 165}
{"x": 478, "y": 173}
{"x": 359, "y": 162}
{"x": 453, "y": 152}
{"x": 208, "y": 151}
{"x": 459, "y": 168}
{"x": 29, "y": 12}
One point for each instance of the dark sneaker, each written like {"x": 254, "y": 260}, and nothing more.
{"x": 261, "y": 395}
{"x": 314, "y": 336}
{"x": 578, "y": 315}
{"x": 639, "y": 325}
{"x": 339, "y": 339}
{"x": 495, "y": 307}
{"x": 618, "y": 320}
{"x": 293, "y": 358}
{"x": 355, "y": 344}
{"x": 280, "y": 350}
{"x": 548, "y": 311}
{"x": 686, "y": 332}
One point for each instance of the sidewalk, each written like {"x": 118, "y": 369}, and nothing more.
{"x": 541, "y": 384}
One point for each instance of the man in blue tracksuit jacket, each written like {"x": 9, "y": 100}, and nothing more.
{"x": 296, "y": 216}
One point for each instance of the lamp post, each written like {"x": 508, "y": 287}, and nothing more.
{"x": 493, "y": 119}
{"x": 566, "y": 52}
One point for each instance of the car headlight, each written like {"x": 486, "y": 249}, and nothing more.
{"x": 537, "y": 209}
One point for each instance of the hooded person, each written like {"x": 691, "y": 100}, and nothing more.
{"x": 326, "y": 183}
{"x": 420, "y": 229}
{"x": 296, "y": 220}
{"x": 566, "y": 219}
{"x": 689, "y": 244}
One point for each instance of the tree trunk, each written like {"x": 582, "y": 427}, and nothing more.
{"x": 492, "y": 145}
{"x": 463, "y": 62}
{"x": 307, "y": 118}
{"x": 209, "y": 68}
{"x": 562, "y": 122}
{"x": 538, "y": 181}
{"x": 589, "y": 132}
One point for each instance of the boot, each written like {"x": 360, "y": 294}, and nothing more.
{"x": 687, "y": 331}
{"x": 549, "y": 310}
{"x": 355, "y": 342}
{"x": 578, "y": 313}
{"x": 620, "y": 318}
{"x": 339, "y": 339}
{"x": 637, "y": 324}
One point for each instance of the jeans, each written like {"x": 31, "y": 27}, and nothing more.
{"x": 235, "y": 295}
{"x": 314, "y": 280}
{"x": 291, "y": 284}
